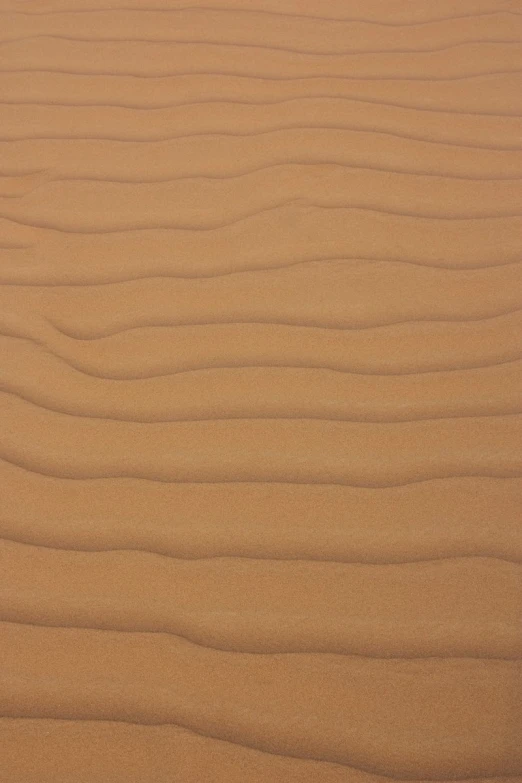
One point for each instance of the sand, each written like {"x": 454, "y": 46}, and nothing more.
{"x": 260, "y": 409}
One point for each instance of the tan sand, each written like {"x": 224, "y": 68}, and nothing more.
{"x": 260, "y": 408}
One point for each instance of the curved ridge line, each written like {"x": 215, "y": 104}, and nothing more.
{"x": 258, "y": 269}
{"x": 200, "y": 229}
{"x": 231, "y": 651}
{"x": 156, "y": 480}
{"x": 375, "y": 563}
{"x": 367, "y": 101}
{"x": 285, "y": 323}
{"x": 255, "y": 134}
{"x": 264, "y": 78}
{"x": 70, "y": 363}
{"x": 264, "y": 751}
{"x": 212, "y": 9}
{"x": 226, "y": 177}
{"x": 235, "y": 44}
{"x": 372, "y": 487}
{"x": 124, "y": 420}
{"x": 249, "y": 172}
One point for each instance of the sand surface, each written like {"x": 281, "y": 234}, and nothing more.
{"x": 260, "y": 391}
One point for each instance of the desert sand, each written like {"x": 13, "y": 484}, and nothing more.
{"x": 260, "y": 391}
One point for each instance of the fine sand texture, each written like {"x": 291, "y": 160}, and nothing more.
{"x": 260, "y": 391}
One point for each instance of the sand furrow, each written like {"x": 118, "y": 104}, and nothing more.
{"x": 397, "y": 349}
{"x": 430, "y": 98}
{"x": 265, "y": 392}
{"x": 105, "y": 37}
{"x": 276, "y": 237}
{"x": 394, "y": 15}
{"x": 87, "y": 680}
{"x": 443, "y": 518}
{"x": 278, "y": 395}
{"x": 74, "y": 224}
{"x": 160, "y": 73}
{"x": 145, "y": 59}
{"x": 352, "y": 453}
{"x": 108, "y": 159}
{"x": 403, "y": 611}
{"x": 266, "y": 117}
{"x": 105, "y": 123}
{"x": 148, "y": 750}
{"x": 119, "y": 206}
{"x": 334, "y": 294}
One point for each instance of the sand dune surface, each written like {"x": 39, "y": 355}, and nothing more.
{"x": 260, "y": 391}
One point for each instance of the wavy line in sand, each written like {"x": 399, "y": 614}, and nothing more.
{"x": 451, "y": 18}
{"x": 219, "y": 133}
{"x": 433, "y": 519}
{"x": 306, "y": 451}
{"x": 373, "y": 688}
{"x": 42, "y": 740}
{"x": 205, "y": 42}
{"x": 70, "y": 587}
{"x": 64, "y": 226}
{"x": 264, "y": 77}
{"x": 183, "y": 104}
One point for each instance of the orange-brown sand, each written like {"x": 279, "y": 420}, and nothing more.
{"x": 260, "y": 391}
